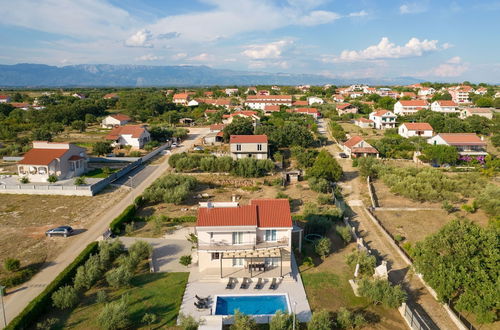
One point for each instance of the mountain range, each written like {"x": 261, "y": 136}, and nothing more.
{"x": 105, "y": 75}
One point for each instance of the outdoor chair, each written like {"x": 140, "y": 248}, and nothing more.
{"x": 202, "y": 300}
{"x": 274, "y": 284}
{"x": 245, "y": 283}
{"x": 260, "y": 284}
{"x": 230, "y": 283}
{"x": 200, "y": 305}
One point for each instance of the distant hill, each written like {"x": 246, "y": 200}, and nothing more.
{"x": 105, "y": 75}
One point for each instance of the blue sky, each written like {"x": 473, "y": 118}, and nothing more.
{"x": 432, "y": 40}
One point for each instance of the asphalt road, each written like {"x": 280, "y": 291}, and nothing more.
{"x": 18, "y": 298}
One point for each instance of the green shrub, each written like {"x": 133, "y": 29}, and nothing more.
{"x": 42, "y": 302}
{"x": 101, "y": 297}
{"x": 135, "y": 153}
{"x": 48, "y": 324}
{"x": 324, "y": 199}
{"x": 127, "y": 215}
{"x": 319, "y": 185}
{"x": 88, "y": 274}
{"x": 119, "y": 277}
{"x": 448, "y": 207}
{"x": 170, "y": 188}
{"x": 65, "y": 297}
{"x": 398, "y": 238}
{"x": 320, "y": 320}
{"x": 149, "y": 318}
{"x": 382, "y": 292}
{"x": 109, "y": 251}
{"x": 80, "y": 181}
{"x": 366, "y": 262}
{"x": 281, "y": 321}
{"x": 140, "y": 249}
{"x": 308, "y": 261}
{"x": 187, "y": 322}
{"x": 52, "y": 178}
{"x": 17, "y": 278}
{"x": 349, "y": 320}
{"x": 243, "y": 322}
{"x": 11, "y": 264}
{"x": 489, "y": 199}
{"x": 24, "y": 180}
{"x": 115, "y": 315}
{"x": 322, "y": 247}
{"x": 185, "y": 260}
{"x": 345, "y": 233}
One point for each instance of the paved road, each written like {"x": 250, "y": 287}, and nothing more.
{"x": 419, "y": 297}
{"x": 16, "y": 301}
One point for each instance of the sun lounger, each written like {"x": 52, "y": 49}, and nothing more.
{"x": 230, "y": 283}
{"x": 200, "y": 305}
{"x": 274, "y": 284}
{"x": 259, "y": 284}
{"x": 202, "y": 300}
{"x": 245, "y": 283}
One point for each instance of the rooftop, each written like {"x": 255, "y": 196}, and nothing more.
{"x": 248, "y": 139}
{"x": 418, "y": 126}
{"x": 134, "y": 130}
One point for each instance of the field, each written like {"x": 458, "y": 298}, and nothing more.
{"x": 327, "y": 287}
{"x": 366, "y": 133}
{"x": 25, "y": 218}
{"x": 157, "y": 293}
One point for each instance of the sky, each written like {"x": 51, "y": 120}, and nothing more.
{"x": 437, "y": 40}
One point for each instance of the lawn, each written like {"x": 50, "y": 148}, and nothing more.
{"x": 99, "y": 173}
{"x": 157, "y": 293}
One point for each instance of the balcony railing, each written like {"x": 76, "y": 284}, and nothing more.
{"x": 245, "y": 245}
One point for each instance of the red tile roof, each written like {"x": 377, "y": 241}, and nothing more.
{"x": 110, "y": 96}
{"x": 380, "y": 113}
{"x": 343, "y": 106}
{"x": 75, "y": 157}
{"x": 248, "y": 139}
{"x": 462, "y": 139}
{"x": 364, "y": 120}
{"x": 365, "y": 150}
{"x": 307, "y": 110}
{"x": 446, "y": 103}
{"x": 181, "y": 96}
{"x": 246, "y": 113}
{"x": 4, "y": 97}
{"x": 134, "y": 130}
{"x": 479, "y": 110}
{"x": 266, "y": 213}
{"x": 353, "y": 141}
{"x": 42, "y": 156}
{"x": 121, "y": 117}
{"x": 418, "y": 126}
{"x": 217, "y": 127}
{"x": 269, "y": 97}
{"x": 272, "y": 108}
{"x": 413, "y": 103}
{"x": 20, "y": 104}
{"x": 297, "y": 103}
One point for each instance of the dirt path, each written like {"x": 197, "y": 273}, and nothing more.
{"x": 400, "y": 272}
{"x": 16, "y": 301}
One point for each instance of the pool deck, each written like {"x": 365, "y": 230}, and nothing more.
{"x": 203, "y": 287}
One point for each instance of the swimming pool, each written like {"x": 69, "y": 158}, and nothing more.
{"x": 251, "y": 304}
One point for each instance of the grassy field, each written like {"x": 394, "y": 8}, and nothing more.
{"x": 327, "y": 287}
{"x": 367, "y": 133}
{"x": 157, "y": 293}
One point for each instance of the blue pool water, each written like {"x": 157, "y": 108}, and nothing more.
{"x": 251, "y": 305}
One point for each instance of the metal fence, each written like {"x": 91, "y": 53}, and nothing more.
{"x": 414, "y": 319}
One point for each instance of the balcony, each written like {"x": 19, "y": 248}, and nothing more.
{"x": 221, "y": 246}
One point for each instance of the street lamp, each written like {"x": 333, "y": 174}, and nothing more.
{"x": 2, "y": 288}
{"x": 294, "y": 308}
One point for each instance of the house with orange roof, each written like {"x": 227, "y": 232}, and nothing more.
{"x": 115, "y": 120}
{"x": 383, "y": 119}
{"x": 411, "y": 95}
{"x": 181, "y": 98}
{"x": 64, "y": 160}
{"x": 258, "y": 102}
{"x": 408, "y": 130}
{"x": 4, "y": 98}
{"x": 346, "y": 108}
{"x": 408, "y": 107}
{"x": 338, "y": 98}
{"x": 460, "y": 94}
{"x": 444, "y": 106}
{"x": 251, "y": 241}
{"x": 309, "y": 111}
{"x": 111, "y": 96}
{"x": 216, "y": 134}
{"x": 244, "y": 113}
{"x": 467, "y": 144}
{"x": 248, "y": 146}
{"x": 426, "y": 91}
{"x": 300, "y": 103}
{"x": 135, "y": 136}
{"x": 364, "y": 122}
{"x": 268, "y": 109}
{"x": 482, "y": 112}
{"x": 356, "y": 147}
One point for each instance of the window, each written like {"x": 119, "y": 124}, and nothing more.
{"x": 211, "y": 235}
{"x": 237, "y": 262}
{"x": 238, "y": 147}
{"x": 215, "y": 255}
{"x": 271, "y": 235}
{"x": 71, "y": 166}
{"x": 259, "y": 147}
{"x": 237, "y": 238}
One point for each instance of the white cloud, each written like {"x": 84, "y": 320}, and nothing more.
{"x": 358, "y": 14}
{"x": 386, "y": 49}
{"x": 258, "y": 64}
{"x": 318, "y": 17}
{"x": 267, "y": 51}
{"x": 179, "y": 56}
{"x": 202, "y": 57}
{"x": 447, "y": 45}
{"x": 453, "y": 67}
{"x": 413, "y": 8}
{"x": 149, "y": 57}
{"x": 141, "y": 38}
{"x": 454, "y": 60}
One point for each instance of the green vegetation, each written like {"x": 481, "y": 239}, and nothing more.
{"x": 325, "y": 167}
{"x": 243, "y": 322}
{"x": 185, "y": 260}
{"x": 337, "y": 131}
{"x": 322, "y": 247}
{"x": 12, "y": 265}
{"x": 288, "y": 129}
{"x": 320, "y": 320}
{"x": 382, "y": 292}
{"x": 281, "y": 321}
{"x": 170, "y": 188}
{"x": 239, "y": 126}
{"x": 460, "y": 262}
{"x": 440, "y": 154}
{"x": 367, "y": 262}
{"x": 349, "y": 320}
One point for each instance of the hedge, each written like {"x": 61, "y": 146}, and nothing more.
{"x": 116, "y": 225}
{"x": 43, "y": 301}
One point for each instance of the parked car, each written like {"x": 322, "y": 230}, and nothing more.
{"x": 59, "y": 231}
{"x": 343, "y": 155}
{"x": 174, "y": 145}
{"x": 198, "y": 148}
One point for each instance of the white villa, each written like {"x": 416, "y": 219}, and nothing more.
{"x": 383, "y": 119}
{"x": 467, "y": 144}
{"x": 408, "y": 130}
{"x": 255, "y": 239}
{"x": 115, "y": 120}
{"x": 313, "y": 99}
{"x": 364, "y": 123}
{"x": 483, "y": 112}
{"x": 408, "y": 107}
{"x": 131, "y": 135}
{"x": 248, "y": 146}
{"x": 444, "y": 106}
{"x": 181, "y": 98}
{"x": 356, "y": 147}
{"x": 259, "y": 102}
{"x": 64, "y": 160}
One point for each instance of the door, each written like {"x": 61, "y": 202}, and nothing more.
{"x": 238, "y": 262}
{"x": 271, "y": 235}
{"x": 237, "y": 238}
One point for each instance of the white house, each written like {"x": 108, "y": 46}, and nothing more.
{"x": 383, "y": 119}
{"x": 338, "y": 98}
{"x": 252, "y": 240}
{"x": 313, "y": 99}
{"x": 248, "y": 146}
{"x": 426, "y": 91}
{"x": 345, "y": 108}
{"x": 231, "y": 91}
{"x": 228, "y": 119}
{"x": 364, "y": 123}
{"x": 78, "y": 96}
{"x": 356, "y": 147}
{"x": 408, "y": 130}
{"x": 64, "y": 160}
{"x": 131, "y": 135}
{"x": 115, "y": 120}
{"x": 460, "y": 94}
{"x": 259, "y": 102}
{"x": 444, "y": 106}
{"x": 181, "y": 98}
{"x": 193, "y": 103}
{"x": 481, "y": 91}
{"x": 467, "y": 144}
{"x": 308, "y": 111}
{"x": 483, "y": 112}
{"x": 408, "y": 107}
{"x": 4, "y": 98}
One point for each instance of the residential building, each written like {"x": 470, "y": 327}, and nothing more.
{"x": 346, "y": 108}
{"x": 309, "y": 111}
{"x": 313, "y": 100}
{"x": 411, "y": 95}
{"x": 181, "y": 98}
{"x": 364, "y": 123}
{"x": 268, "y": 109}
{"x": 426, "y": 91}
{"x": 216, "y": 134}
{"x": 221, "y": 102}
{"x": 4, "y": 98}
{"x": 408, "y": 107}
{"x": 369, "y": 90}
{"x": 111, "y": 96}
{"x": 338, "y": 98}
{"x": 231, "y": 91}
{"x": 21, "y": 105}
{"x": 253, "y": 240}
{"x": 356, "y": 147}
{"x": 228, "y": 119}
{"x": 263, "y": 92}
{"x": 78, "y": 96}
{"x": 208, "y": 94}
{"x": 460, "y": 94}
{"x": 115, "y": 120}
{"x": 467, "y": 144}
{"x": 481, "y": 91}
{"x": 383, "y": 119}
{"x": 444, "y": 106}
{"x": 64, "y": 160}
{"x": 135, "y": 136}
{"x": 248, "y": 146}
{"x": 483, "y": 112}
{"x": 258, "y": 102}
{"x": 300, "y": 103}
{"x": 408, "y": 130}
